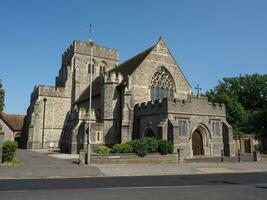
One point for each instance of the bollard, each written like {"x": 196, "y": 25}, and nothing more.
{"x": 82, "y": 157}
{"x": 255, "y": 157}
{"x": 239, "y": 156}
{"x": 222, "y": 155}
{"x": 179, "y": 156}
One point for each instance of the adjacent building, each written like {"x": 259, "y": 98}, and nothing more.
{"x": 12, "y": 126}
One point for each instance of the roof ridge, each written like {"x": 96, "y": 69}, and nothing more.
{"x": 130, "y": 65}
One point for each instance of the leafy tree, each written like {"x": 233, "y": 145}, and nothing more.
{"x": 245, "y": 98}
{"x": 2, "y": 96}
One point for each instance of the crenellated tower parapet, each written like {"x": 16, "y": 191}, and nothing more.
{"x": 113, "y": 77}
{"x": 196, "y": 105}
{"x": 48, "y": 91}
{"x": 151, "y": 107}
{"x": 78, "y": 47}
{"x": 192, "y": 106}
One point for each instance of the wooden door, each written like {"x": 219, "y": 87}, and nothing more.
{"x": 197, "y": 143}
{"x": 247, "y": 145}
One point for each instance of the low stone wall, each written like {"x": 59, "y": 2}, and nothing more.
{"x": 132, "y": 158}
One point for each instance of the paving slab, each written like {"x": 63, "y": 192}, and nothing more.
{"x": 41, "y": 165}
{"x": 180, "y": 169}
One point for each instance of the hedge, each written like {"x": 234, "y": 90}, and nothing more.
{"x": 141, "y": 147}
{"x": 102, "y": 150}
{"x": 165, "y": 147}
{"x": 122, "y": 148}
{"x": 9, "y": 149}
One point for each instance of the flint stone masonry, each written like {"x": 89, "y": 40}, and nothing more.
{"x": 132, "y": 158}
{"x": 70, "y": 83}
{"x": 147, "y": 95}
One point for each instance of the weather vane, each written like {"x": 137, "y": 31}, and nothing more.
{"x": 91, "y": 30}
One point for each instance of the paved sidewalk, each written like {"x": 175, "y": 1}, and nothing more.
{"x": 182, "y": 168}
{"x": 41, "y": 165}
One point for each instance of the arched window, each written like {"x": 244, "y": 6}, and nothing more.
{"x": 162, "y": 85}
{"x": 93, "y": 69}
{"x": 102, "y": 70}
{"x": 149, "y": 133}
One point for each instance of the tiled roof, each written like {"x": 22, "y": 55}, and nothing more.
{"x": 129, "y": 66}
{"x": 15, "y": 122}
{"x": 96, "y": 90}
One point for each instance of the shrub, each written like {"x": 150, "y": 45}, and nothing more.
{"x": 152, "y": 144}
{"x": 122, "y": 148}
{"x": 102, "y": 150}
{"x": 9, "y": 149}
{"x": 140, "y": 147}
{"x": 165, "y": 147}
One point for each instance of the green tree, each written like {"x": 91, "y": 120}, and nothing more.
{"x": 2, "y": 97}
{"x": 245, "y": 98}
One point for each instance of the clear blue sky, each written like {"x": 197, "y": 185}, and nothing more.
{"x": 209, "y": 39}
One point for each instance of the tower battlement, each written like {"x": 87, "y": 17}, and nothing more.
{"x": 84, "y": 48}
{"x": 113, "y": 77}
{"x": 48, "y": 91}
{"x": 157, "y": 106}
{"x": 193, "y": 105}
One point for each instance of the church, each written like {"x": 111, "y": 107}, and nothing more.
{"x": 146, "y": 96}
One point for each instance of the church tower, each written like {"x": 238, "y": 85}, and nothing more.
{"x": 51, "y": 106}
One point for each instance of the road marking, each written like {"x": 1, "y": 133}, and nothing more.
{"x": 149, "y": 187}
{"x": 13, "y": 191}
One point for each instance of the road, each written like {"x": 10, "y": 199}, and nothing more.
{"x": 213, "y": 186}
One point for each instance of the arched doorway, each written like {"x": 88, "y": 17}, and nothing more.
{"x": 149, "y": 133}
{"x": 197, "y": 143}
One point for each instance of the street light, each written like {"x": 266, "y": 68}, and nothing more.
{"x": 88, "y": 161}
{"x": 45, "y": 99}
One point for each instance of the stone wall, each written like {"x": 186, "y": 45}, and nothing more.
{"x": 132, "y": 158}
{"x": 56, "y": 114}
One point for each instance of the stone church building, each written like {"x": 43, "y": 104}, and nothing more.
{"x": 146, "y": 96}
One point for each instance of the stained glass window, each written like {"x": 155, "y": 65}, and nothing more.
{"x": 162, "y": 85}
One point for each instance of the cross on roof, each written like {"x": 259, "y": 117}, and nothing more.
{"x": 198, "y": 90}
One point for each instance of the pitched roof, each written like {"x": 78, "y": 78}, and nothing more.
{"x": 129, "y": 66}
{"x": 125, "y": 69}
{"x": 96, "y": 90}
{"x": 15, "y": 122}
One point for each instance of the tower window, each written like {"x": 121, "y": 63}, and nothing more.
{"x": 102, "y": 70}
{"x": 89, "y": 69}
{"x": 98, "y": 136}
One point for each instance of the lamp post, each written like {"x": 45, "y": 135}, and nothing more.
{"x": 45, "y": 99}
{"x": 88, "y": 161}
